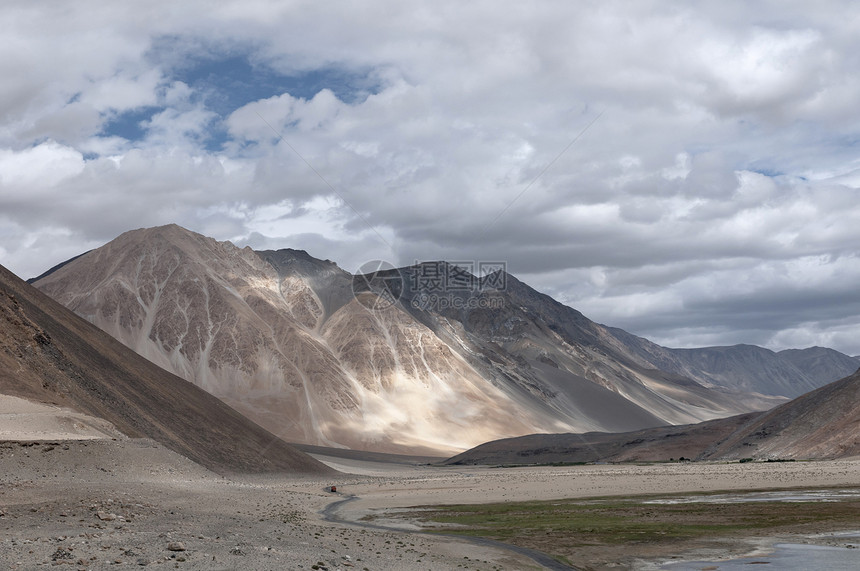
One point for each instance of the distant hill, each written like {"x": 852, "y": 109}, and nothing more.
{"x": 821, "y": 363}
{"x": 50, "y": 271}
{"x": 822, "y": 424}
{"x": 49, "y": 354}
{"x": 748, "y": 368}
{"x": 649, "y": 445}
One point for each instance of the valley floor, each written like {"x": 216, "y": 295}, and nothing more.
{"x": 103, "y": 504}
{"x": 98, "y": 504}
{"x": 389, "y": 498}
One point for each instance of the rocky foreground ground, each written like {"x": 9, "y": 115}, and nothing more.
{"x": 105, "y": 504}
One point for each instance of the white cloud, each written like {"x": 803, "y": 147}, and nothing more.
{"x": 123, "y": 91}
{"x": 765, "y": 71}
{"x": 39, "y": 167}
{"x": 723, "y": 165}
{"x": 173, "y": 127}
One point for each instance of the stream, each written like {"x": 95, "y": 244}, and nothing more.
{"x": 330, "y": 513}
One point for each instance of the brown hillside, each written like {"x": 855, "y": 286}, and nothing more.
{"x": 822, "y": 424}
{"x": 49, "y": 354}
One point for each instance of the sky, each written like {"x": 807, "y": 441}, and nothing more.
{"x": 687, "y": 171}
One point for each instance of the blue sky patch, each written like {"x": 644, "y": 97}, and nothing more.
{"x": 129, "y": 124}
{"x": 766, "y": 171}
{"x": 225, "y": 78}
{"x": 229, "y": 82}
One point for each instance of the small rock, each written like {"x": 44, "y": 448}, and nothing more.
{"x": 62, "y": 553}
{"x": 105, "y": 516}
{"x": 176, "y": 546}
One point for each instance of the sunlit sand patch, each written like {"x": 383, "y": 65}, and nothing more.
{"x": 22, "y": 419}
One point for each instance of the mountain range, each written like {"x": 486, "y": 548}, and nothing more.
{"x": 425, "y": 359}
{"x": 789, "y": 373}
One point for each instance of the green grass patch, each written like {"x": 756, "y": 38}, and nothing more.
{"x": 561, "y": 527}
{"x": 615, "y": 522}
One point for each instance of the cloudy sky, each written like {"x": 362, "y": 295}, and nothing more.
{"x": 688, "y": 171}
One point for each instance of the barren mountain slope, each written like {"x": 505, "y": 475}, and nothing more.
{"x": 285, "y": 342}
{"x": 49, "y": 354}
{"x": 281, "y": 336}
{"x": 661, "y": 444}
{"x": 542, "y": 346}
{"x": 824, "y": 423}
{"x": 821, "y": 363}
